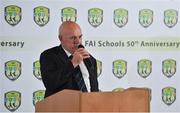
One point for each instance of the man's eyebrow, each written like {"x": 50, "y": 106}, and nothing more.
{"x": 77, "y": 36}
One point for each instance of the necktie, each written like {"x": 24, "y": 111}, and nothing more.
{"x": 79, "y": 78}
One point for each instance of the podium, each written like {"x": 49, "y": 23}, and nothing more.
{"x": 129, "y": 100}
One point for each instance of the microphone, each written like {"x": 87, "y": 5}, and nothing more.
{"x": 87, "y": 60}
{"x": 80, "y": 46}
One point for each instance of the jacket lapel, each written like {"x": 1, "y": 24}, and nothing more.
{"x": 62, "y": 54}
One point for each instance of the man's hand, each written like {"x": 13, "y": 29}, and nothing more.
{"x": 79, "y": 55}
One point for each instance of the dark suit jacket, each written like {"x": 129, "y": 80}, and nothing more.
{"x": 57, "y": 71}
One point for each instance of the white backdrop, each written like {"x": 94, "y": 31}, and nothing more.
{"x": 25, "y": 40}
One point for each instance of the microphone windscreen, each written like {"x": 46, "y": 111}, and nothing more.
{"x": 80, "y": 46}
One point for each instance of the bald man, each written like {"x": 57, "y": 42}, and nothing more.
{"x": 59, "y": 64}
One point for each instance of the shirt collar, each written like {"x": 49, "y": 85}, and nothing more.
{"x": 68, "y": 53}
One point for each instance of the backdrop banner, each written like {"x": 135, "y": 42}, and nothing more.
{"x": 136, "y": 44}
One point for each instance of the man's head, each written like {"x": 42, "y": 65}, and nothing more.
{"x": 70, "y": 36}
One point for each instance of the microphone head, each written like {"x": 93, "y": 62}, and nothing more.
{"x": 80, "y": 46}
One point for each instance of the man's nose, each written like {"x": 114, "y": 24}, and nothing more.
{"x": 77, "y": 40}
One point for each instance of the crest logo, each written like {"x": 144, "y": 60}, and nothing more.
{"x": 36, "y": 70}
{"x": 12, "y": 69}
{"x": 38, "y": 96}
{"x": 119, "y": 68}
{"x": 41, "y": 15}
{"x": 170, "y": 17}
{"x": 118, "y": 89}
{"x": 120, "y": 17}
{"x": 12, "y": 14}
{"x": 95, "y": 16}
{"x": 145, "y": 17}
{"x": 169, "y": 67}
{"x": 144, "y": 68}
{"x": 12, "y": 100}
{"x": 68, "y": 14}
{"x": 168, "y": 95}
{"x": 99, "y": 67}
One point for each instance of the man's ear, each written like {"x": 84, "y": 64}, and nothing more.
{"x": 60, "y": 37}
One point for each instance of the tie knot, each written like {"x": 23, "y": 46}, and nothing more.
{"x": 70, "y": 57}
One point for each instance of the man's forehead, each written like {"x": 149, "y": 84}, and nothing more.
{"x": 70, "y": 29}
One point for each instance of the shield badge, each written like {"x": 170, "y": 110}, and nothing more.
{"x": 99, "y": 67}
{"x": 119, "y": 68}
{"x": 120, "y": 17}
{"x": 38, "y": 96}
{"x": 68, "y": 14}
{"x": 12, "y": 14}
{"x": 145, "y": 17}
{"x": 169, "y": 67}
{"x": 36, "y": 70}
{"x": 170, "y": 18}
{"x": 41, "y": 15}
{"x": 12, "y": 100}
{"x": 144, "y": 68}
{"x": 168, "y": 95}
{"x": 95, "y": 16}
{"x": 13, "y": 69}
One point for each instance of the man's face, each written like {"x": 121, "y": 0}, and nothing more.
{"x": 71, "y": 37}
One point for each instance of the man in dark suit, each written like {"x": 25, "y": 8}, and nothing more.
{"x": 62, "y": 67}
